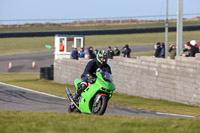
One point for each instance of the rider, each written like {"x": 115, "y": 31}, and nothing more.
{"x": 89, "y": 73}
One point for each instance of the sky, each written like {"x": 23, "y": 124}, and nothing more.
{"x": 70, "y": 9}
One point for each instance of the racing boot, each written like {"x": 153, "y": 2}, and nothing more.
{"x": 81, "y": 87}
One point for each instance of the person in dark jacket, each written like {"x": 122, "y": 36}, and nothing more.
{"x": 116, "y": 51}
{"x": 162, "y": 52}
{"x": 74, "y": 54}
{"x": 110, "y": 53}
{"x": 191, "y": 51}
{"x": 194, "y": 43}
{"x": 96, "y": 51}
{"x": 126, "y": 51}
{"x": 172, "y": 50}
{"x": 157, "y": 49}
{"x": 185, "y": 47}
{"x": 90, "y": 71}
{"x": 91, "y": 53}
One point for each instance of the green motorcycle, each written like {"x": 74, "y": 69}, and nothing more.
{"x": 94, "y": 98}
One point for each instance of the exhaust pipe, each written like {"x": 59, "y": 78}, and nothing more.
{"x": 68, "y": 91}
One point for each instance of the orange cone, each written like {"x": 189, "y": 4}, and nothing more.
{"x": 33, "y": 64}
{"x": 10, "y": 65}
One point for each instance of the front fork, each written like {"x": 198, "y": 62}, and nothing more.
{"x": 98, "y": 97}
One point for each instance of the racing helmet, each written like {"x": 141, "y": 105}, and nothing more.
{"x": 193, "y": 42}
{"x": 102, "y": 54}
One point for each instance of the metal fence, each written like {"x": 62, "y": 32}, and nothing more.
{"x": 98, "y": 21}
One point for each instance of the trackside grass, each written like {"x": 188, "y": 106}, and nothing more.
{"x": 32, "y": 81}
{"x": 22, "y": 45}
{"x": 25, "y": 122}
{"x": 143, "y": 54}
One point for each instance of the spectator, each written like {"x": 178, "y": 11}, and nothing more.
{"x": 91, "y": 53}
{"x": 157, "y": 49}
{"x": 126, "y": 51}
{"x": 191, "y": 51}
{"x": 172, "y": 50}
{"x": 110, "y": 53}
{"x": 61, "y": 45}
{"x": 116, "y": 51}
{"x": 74, "y": 54}
{"x": 194, "y": 43}
{"x": 95, "y": 51}
{"x": 162, "y": 52}
{"x": 185, "y": 47}
{"x": 81, "y": 53}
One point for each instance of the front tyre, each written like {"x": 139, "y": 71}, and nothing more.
{"x": 73, "y": 109}
{"x": 100, "y": 107}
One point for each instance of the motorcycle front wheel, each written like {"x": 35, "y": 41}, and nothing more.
{"x": 100, "y": 107}
{"x": 73, "y": 109}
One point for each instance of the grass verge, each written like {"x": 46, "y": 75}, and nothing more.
{"x": 21, "y": 45}
{"x": 24, "y": 122}
{"x": 32, "y": 81}
{"x": 143, "y": 54}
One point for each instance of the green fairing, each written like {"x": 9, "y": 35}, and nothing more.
{"x": 100, "y": 85}
{"x": 76, "y": 82}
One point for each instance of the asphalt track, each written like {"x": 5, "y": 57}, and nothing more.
{"x": 14, "y": 98}
{"x": 23, "y": 62}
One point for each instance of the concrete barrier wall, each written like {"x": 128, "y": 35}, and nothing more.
{"x": 173, "y": 80}
{"x": 67, "y": 70}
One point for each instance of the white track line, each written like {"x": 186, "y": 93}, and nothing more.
{"x": 188, "y": 116}
{"x": 26, "y": 89}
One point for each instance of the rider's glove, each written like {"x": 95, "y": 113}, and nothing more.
{"x": 89, "y": 76}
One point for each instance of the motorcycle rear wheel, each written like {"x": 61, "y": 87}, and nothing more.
{"x": 100, "y": 107}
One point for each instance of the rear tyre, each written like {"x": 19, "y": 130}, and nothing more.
{"x": 100, "y": 107}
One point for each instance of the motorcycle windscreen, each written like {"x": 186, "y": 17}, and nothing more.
{"x": 106, "y": 76}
